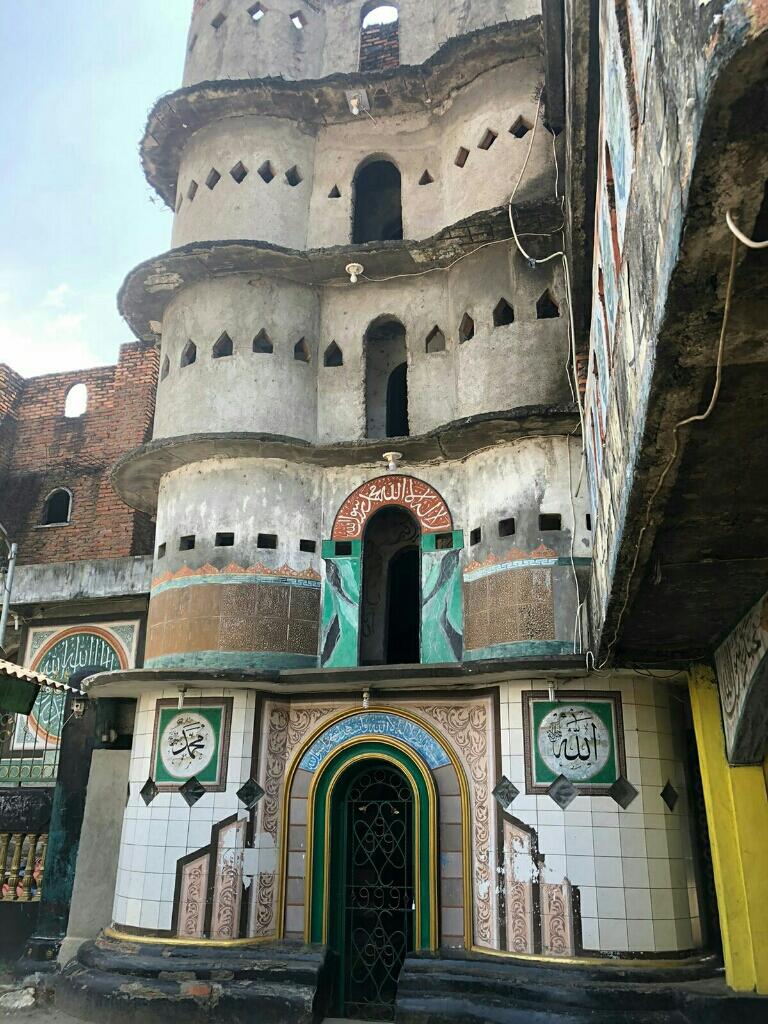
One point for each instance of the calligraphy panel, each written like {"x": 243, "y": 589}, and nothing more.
{"x": 191, "y": 741}
{"x": 577, "y": 735}
{"x": 416, "y": 496}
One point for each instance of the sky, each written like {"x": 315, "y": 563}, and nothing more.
{"x": 77, "y": 80}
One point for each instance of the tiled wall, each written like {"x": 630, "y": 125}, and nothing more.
{"x": 154, "y": 837}
{"x": 633, "y": 868}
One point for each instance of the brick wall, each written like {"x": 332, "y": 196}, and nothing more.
{"x": 379, "y": 47}
{"x": 41, "y": 449}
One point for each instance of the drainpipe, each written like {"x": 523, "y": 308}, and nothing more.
{"x": 7, "y": 585}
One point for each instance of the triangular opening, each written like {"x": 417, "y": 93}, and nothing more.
{"x": 301, "y": 351}
{"x": 435, "y": 340}
{"x": 263, "y": 343}
{"x": 426, "y": 178}
{"x": 223, "y": 346}
{"x": 334, "y": 193}
{"x": 188, "y": 354}
{"x": 266, "y": 172}
{"x": 520, "y": 128}
{"x": 333, "y": 355}
{"x": 503, "y": 314}
{"x": 466, "y": 328}
{"x": 546, "y": 307}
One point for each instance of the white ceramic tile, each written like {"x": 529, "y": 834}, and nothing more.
{"x": 605, "y": 819}
{"x": 640, "y": 936}
{"x": 555, "y": 868}
{"x": 149, "y": 914}
{"x": 578, "y": 841}
{"x": 635, "y": 871}
{"x": 198, "y": 834}
{"x": 632, "y": 842}
{"x": 606, "y": 841}
{"x": 650, "y": 772}
{"x": 118, "y": 909}
{"x": 665, "y": 935}
{"x": 610, "y": 902}
{"x": 684, "y": 933}
{"x": 613, "y": 935}
{"x": 138, "y": 858}
{"x": 656, "y": 843}
{"x": 151, "y": 888}
{"x": 158, "y": 833}
{"x": 552, "y": 839}
{"x": 588, "y": 896}
{"x": 165, "y": 915}
{"x": 638, "y": 903}
{"x": 590, "y": 935}
{"x": 662, "y": 906}
{"x": 155, "y": 859}
{"x": 608, "y": 871}
{"x": 581, "y": 870}
{"x": 132, "y": 913}
{"x": 171, "y": 856}
{"x": 681, "y": 904}
{"x": 551, "y": 817}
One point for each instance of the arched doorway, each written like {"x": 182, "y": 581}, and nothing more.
{"x": 377, "y": 204}
{"x": 391, "y": 589}
{"x": 386, "y": 379}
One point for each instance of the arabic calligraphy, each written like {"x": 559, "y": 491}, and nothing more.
{"x": 408, "y": 492}
{"x": 187, "y": 744}
{"x": 574, "y": 741}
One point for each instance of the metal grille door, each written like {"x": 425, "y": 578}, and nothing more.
{"x": 378, "y": 891}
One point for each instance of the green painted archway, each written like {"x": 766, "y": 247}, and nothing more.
{"x": 325, "y": 856}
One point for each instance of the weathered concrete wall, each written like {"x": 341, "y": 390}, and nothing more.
{"x": 499, "y": 368}
{"x": 90, "y": 578}
{"x": 306, "y": 215}
{"x": 99, "y": 850}
{"x": 330, "y": 40}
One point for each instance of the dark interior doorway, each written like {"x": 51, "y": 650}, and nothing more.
{"x": 386, "y": 379}
{"x": 391, "y": 603}
{"x": 377, "y": 207}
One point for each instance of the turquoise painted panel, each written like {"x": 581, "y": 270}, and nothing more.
{"x": 441, "y": 605}
{"x": 341, "y": 612}
{"x": 375, "y": 723}
{"x": 520, "y": 649}
{"x": 266, "y": 661}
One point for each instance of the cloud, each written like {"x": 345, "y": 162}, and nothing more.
{"x": 56, "y": 297}
{"x": 39, "y": 342}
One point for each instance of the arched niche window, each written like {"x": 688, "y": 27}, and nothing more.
{"x": 386, "y": 379}
{"x": 333, "y": 355}
{"x": 57, "y": 507}
{"x": 391, "y": 589}
{"x": 378, "y": 215}
{"x": 76, "y": 401}
{"x": 379, "y": 37}
{"x": 435, "y": 341}
{"x": 222, "y": 347}
{"x": 546, "y": 307}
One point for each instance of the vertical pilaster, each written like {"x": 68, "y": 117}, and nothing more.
{"x": 737, "y": 817}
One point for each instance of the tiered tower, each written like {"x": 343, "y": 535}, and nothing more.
{"x": 371, "y": 521}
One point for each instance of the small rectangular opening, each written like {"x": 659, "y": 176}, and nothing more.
{"x": 191, "y": 190}
{"x": 213, "y": 179}
{"x": 161, "y": 550}
{"x": 443, "y": 541}
{"x": 225, "y": 540}
{"x": 488, "y": 139}
{"x": 461, "y": 156}
{"x": 549, "y": 521}
{"x": 475, "y": 535}
{"x": 187, "y": 543}
{"x": 298, "y": 19}
{"x": 588, "y": 521}
{"x": 266, "y": 540}
{"x": 507, "y": 527}
{"x": 310, "y": 546}
{"x": 219, "y": 20}
{"x": 343, "y": 547}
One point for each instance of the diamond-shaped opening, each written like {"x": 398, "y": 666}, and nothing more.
{"x": 223, "y": 347}
{"x": 293, "y": 177}
{"x": 250, "y": 793}
{"x": 239, "y": 172}
{"x": 623, "y": 792}
{"x": 546, "y": 307}
{"x": 334, "y": 193}
{"x": 192, "y": 790}
{"x": 520, "y": 128}
{"x": 503, "y": 314}
{"x": 192, "y": 190}
{"x": 488, "y": 139}
{"x": 257, "y": 12}
{"x": 669, "y": 795}
{"x": 435, "y": 341}
{"x": 219, "y": 20}
{"x": 213, "y": 179}
{"x": 562, "y": 791}
{"x": 461, "y": 156}
{"x": 333, "y": 355}
{"x": 301, "y": 351}
{"x": 466, "y": 328}
{"x": 426, "y": 178}
{"x": 507, "y": 527}
{"x": 148, "y": 791}
{"x": 504, "y": 792}
{"x": 266, "y": 172}
{"x": 263, "y": 343}
{"x": 165, "y": 369}
{"x": 188, "y": 354}
{"x": 298, "y": 20}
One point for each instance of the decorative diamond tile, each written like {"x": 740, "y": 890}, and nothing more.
{"x": 192, "y": 790}
{"x": 250, "y": 793}
{"x": 562, "y": 791}
{"x": 148, "y": 791}
{"x": 504, "y": 792}
{"x": 669, "y": 795}
{"x": 623, "y": 792}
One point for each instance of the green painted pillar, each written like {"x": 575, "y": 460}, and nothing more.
{"x": 442, "y": 638}
{"x": 340, "y": 637}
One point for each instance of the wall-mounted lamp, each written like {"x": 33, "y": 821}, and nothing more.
{"x": 79, "y": 704}
{"x": 392, "y": 459}
{"x": 354, "y": 270}
{"x": 357, "y": 100}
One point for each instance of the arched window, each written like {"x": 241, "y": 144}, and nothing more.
{"x": 76, "y": 401}
{"x": 378, "y": 215}
{"x": 333, "y": 355}
{"x": 57, "y": 507}
{"x": 386, "y": 379}
{"x": 391, "y": 589}
{"x": 379, "y": 37}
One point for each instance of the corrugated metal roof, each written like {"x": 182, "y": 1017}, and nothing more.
{"x": 8, "y": 668}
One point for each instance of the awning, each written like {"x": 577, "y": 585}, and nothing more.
{"x": 19, "y": 687}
